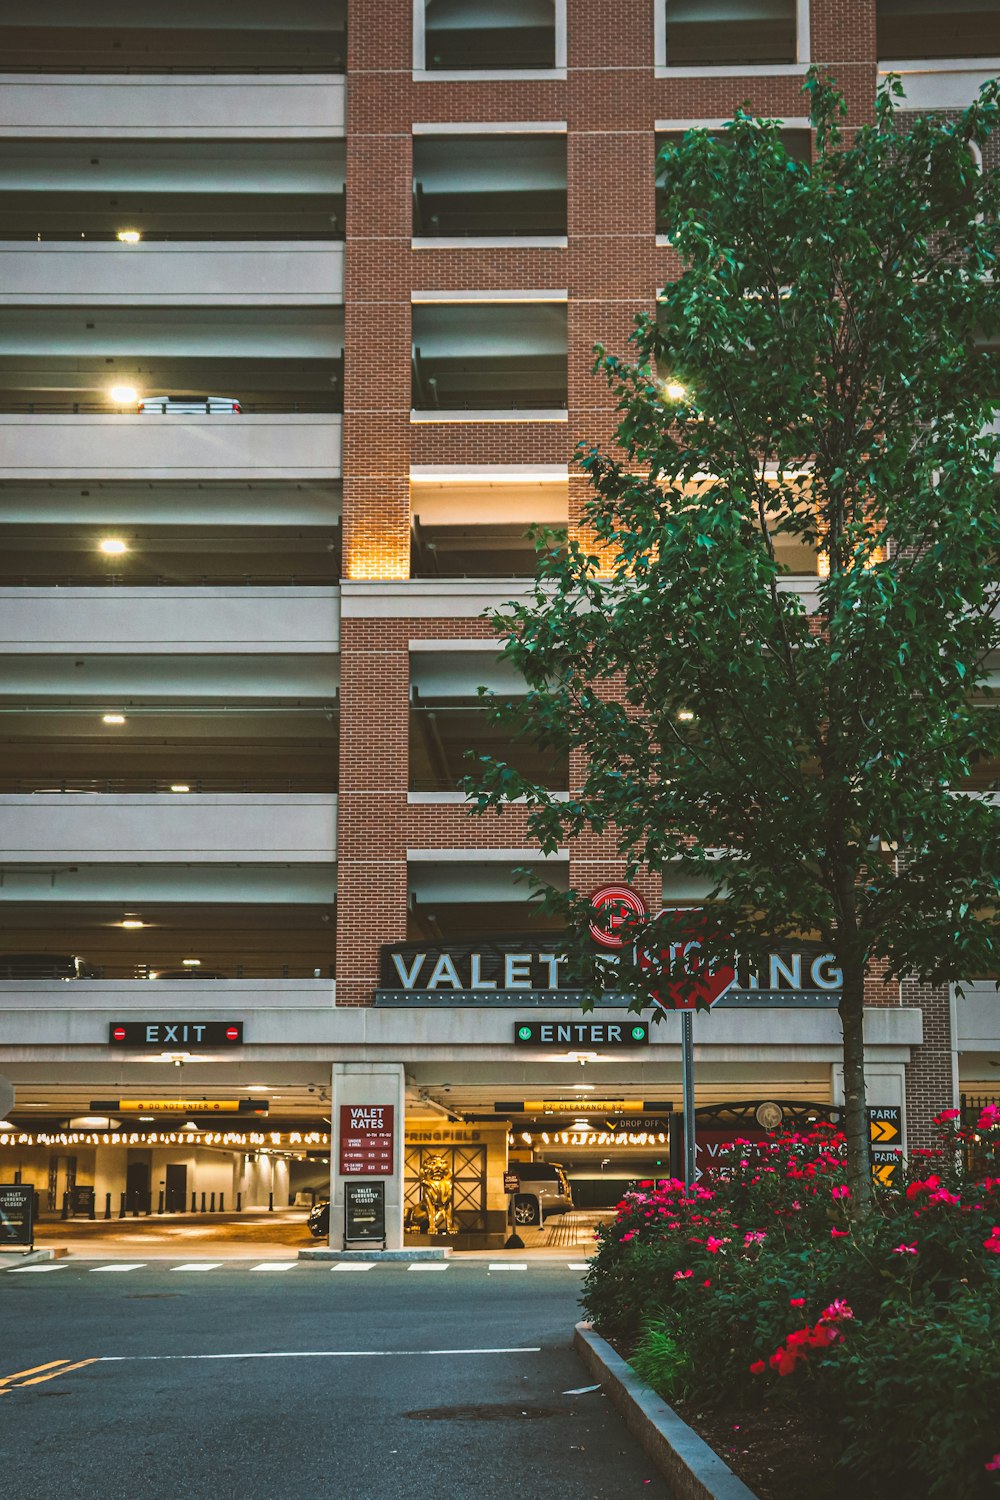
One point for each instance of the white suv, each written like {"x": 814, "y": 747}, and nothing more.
{"x": 187, "y": 406}
{"x": 543, "y": 1189}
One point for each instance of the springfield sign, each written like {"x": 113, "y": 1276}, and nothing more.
{"x": 511, "y": 970}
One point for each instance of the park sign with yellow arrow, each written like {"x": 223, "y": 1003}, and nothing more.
{"x": 885, "y": 1141}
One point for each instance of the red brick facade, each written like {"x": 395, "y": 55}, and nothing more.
{"x": 611, "y": 101}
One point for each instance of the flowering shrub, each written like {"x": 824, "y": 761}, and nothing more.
{"x": 762, "y": 1284}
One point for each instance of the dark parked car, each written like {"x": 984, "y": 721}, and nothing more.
{"x": 319, "y": 1220}
{"x": 190, "y": 974}
{"x": 43, "y": 966}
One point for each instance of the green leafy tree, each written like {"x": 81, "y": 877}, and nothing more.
{"x": 817, "y": 384}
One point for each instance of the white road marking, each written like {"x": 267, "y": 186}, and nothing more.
{"x": 198, "y": 1265}
{"x": 508, "y": 1265}
{"x": 578, "y": 1265}
{"x": 136, "y": 1265}
{"x": 23, "y": 1270}
{"x": 275, "y": 1265}
{"x": 118, "y": 1359}
{"x": 430, "y": 1265}
{"x": 354, "y": 1265}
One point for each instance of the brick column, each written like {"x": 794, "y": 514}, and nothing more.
{"x": 931, "y": 1083}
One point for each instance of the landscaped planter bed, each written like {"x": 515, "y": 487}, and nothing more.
{"x": 819, "y": 1352}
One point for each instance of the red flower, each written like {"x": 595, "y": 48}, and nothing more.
{"x": 945, "y": 1115}
{"x": 758, "y": 1367}
{"x": 682, "y": 1275}
{"x": 916, "y": 1188}
{"x": 796, "y": 1302}
{"x": 838, "y": 1234}
{"x": 905, "y": 1249}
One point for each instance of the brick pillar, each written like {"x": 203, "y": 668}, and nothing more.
{"x": 377, "y": 261}
{"x": 931, "y": 1083}
{"x": 371, "y": 855}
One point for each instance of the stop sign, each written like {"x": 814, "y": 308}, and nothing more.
{"x": 703, "y": 982}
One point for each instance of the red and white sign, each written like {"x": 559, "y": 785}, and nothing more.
{"x": 621, "y": 902}
{"x": 702, "y": 982}
{"x": 367, "y": 1140}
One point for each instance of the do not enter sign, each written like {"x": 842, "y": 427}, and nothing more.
{"x": 681, "y": 976}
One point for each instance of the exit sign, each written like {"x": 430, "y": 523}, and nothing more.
{"x": 175, "y": 1033}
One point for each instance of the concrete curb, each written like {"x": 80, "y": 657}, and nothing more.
{"x": 9, "y": 1258}
{"x": 693, "y": 1469}
{"x": 422, "y": 1253}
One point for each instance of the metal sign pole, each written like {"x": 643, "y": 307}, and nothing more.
{"x": 687, "y": 1085}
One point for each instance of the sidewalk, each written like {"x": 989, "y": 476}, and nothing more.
{"x": 281, "y": 1234}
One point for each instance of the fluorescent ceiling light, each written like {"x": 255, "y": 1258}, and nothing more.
{"x": 112, "y": 718}
{"x": 123, "y": 395}
{"x": 129, "y": 236}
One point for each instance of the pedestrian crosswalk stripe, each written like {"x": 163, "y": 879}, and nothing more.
{"x": 198, "y": 1265}
{"x": 508, "y": 1265}
{"x": 23, "y": 1270}
{"x": 121, "y": 1266}
{"x": 430, "y": 1265}
{"x": 275, "y": 1265}
{"x": 578, "y": 1265}
{"x": 354, "y": 1265}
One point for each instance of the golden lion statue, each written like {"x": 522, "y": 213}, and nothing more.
{"x": 434, "y": 1178}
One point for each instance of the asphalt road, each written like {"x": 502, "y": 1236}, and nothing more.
{"x": 318, "y": 1401}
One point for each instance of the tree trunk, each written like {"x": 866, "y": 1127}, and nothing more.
{"x": 852, "y": 1016}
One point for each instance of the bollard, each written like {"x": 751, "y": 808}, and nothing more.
{"x": 92, "y": 1211}
{"x": 135, "y": 1205}
{"x": 270, "y": 1203}
{"x": 212, "y": 1204}
{"x": 65, "y": 1207}
{"x": 107, "y": 1205}
{"x": 239, "y": 1202}
{"x": 121, "y": 1207}
{"x": 159, "y": 1209}
{"x": 222, "y": 1203}
{"x": 194, "y": 1203}
{"x": 203, "y": 1202}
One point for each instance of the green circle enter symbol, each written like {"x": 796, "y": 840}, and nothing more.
{"x": 638, "y": 1032}
{"x": 524, "y": 1032}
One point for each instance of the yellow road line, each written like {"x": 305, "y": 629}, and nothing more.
{"x": 6, "y": 1379}
{"x": 38, "y": 1379}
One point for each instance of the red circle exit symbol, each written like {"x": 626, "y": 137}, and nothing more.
{"x": 232, "y": 1033}
{"x": 118, "y": 1033}
{"x": 616, "y": 904}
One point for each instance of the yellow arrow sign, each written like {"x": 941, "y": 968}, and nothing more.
{"x": 884, "y": 1174}
{"x": 884, "y": 1130}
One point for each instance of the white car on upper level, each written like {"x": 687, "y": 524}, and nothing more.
{"x": 188, "y": 406}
